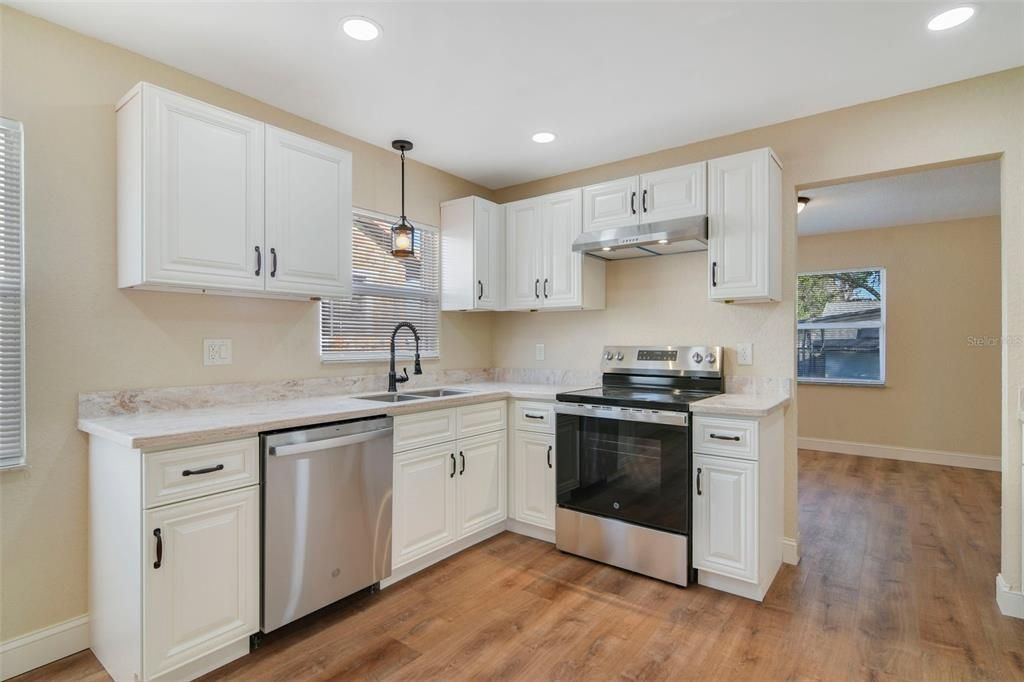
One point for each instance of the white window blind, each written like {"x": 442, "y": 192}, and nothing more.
{"x": 841, "y": 326}
{"x": 12, "y": 327}
{"x": 385, "y": 291}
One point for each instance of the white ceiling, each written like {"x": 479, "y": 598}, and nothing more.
{"x": 469, "y": 82}
{"x": 968, "y": 191}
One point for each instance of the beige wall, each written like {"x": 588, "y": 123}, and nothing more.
{"x": 85, "y": 334}
{"x": 976, "y": 118}
{"x": 942, "y": 289}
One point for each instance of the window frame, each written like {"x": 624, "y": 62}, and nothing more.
{"x": 22, "y": 460}
{"x": 863, "y": 324}
{"x": 363, "y": 357}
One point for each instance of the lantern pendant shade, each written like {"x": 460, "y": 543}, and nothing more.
{"x": 402, "y": 232}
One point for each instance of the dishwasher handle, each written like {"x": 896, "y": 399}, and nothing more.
{"x": 328, "y": 443}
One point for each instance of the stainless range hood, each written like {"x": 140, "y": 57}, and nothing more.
{"x": 651, "y": 239}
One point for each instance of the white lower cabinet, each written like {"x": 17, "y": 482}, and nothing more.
{"x": 424, "y": 502}
{"x": 724, "y": 522}
{"x": 449, "y": 490}
{"x": 534, "y": 466}
{"x": 202, "y": 587}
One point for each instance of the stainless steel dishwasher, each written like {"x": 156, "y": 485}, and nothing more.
{"x": 326, "y": 515}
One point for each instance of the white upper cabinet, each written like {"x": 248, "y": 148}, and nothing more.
{"x": 668, "y": 194}
{"x": 195, "y": 183}
{"x": 472, "y": 255}
{"x": 672, "y": 193}
{"x": 309, "y": 216}
{"x": 745, "y": 227}
{"x": 611, "y": 204}
{"x": 543, "y": 270}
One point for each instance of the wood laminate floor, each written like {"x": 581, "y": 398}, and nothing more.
{"x": 896, "y": 582}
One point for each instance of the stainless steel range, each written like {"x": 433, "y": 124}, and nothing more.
{"x": 624, "y": 454}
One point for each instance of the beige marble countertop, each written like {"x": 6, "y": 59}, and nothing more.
{"x": 180, "y": 428}
{"x": 741, "y": 404}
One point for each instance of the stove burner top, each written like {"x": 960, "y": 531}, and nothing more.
{"x": 637, "y": 396}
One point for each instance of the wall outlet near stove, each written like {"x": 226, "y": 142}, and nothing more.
{"x": 744, "y": 353}
{"x": 216, "y": 352}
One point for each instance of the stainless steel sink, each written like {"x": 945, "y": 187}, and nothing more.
{"x": 391, "y": 397}
{"x": 438, "y": 392}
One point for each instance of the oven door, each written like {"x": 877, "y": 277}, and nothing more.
{"x": 618, "y": 464}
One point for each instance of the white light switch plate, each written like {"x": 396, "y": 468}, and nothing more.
{"x": 539, "y": 354}
{"x": 216, "y": 352}
{"x": 744, "y": 353}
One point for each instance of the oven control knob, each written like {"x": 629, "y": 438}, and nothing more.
{"x": 608, "y": 355}
{"x": 619, "y": 356}
{"x": 710, "y": 357}
{"x": 697, "y": 357}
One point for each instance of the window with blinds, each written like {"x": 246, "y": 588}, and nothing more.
{"x": 841, "y": 327}
{"x": 12, "y": 297}
{"x": 385, "y": 291}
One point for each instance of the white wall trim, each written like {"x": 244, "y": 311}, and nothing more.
{"x": 1010, "y": 603}
{"x": 953, "y": 459}
{"x": 790, "y": 551}
{"x": 46, "y": 645}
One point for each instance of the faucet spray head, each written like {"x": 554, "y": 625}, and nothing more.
{"x": 416, "y": 369}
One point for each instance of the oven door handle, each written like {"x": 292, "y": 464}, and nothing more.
{"x": 623, "y": 414}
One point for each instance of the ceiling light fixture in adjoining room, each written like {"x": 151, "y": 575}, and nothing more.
{"x": 801, "y": 203}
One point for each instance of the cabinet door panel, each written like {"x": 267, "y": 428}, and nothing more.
{"x": 203, "y": 193}
{"x": 489, "y": 255}
{"x": 535, "y": 478}
{"x": 674, "y": 192}
{"x": 611, "y": 204}
{"x": 561, "y": 223}
{"x": 739, "y": 226}
{"x": 524, "y": 253}
{"x": 481, "y": 482}
{"x": 205, "y": 592}
{"x": 424, "y": 502}
{"x": 309, "y": 216}
{"x": 724, "y": 516}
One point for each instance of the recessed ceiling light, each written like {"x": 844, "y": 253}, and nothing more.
{"x": 543, "y": 137}
{"x": 360, "y": 28}
{"x": 663, "y": 241}
{"x": 950, "y": 18}
{"x": 606, "y": 248}
{"x": 802, "y": 202}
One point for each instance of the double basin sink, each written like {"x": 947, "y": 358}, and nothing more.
{"x": 414, "y": 395}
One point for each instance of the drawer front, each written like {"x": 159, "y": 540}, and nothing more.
{"x": 423, "y": 429}
{"x": 185, "y": 473}
{"x": 532, "y": 416}
{"x": 482, "y": 418}
{"x": 729, "y": 437}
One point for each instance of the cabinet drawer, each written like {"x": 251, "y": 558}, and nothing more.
{"x": 531, "y": 416}
{"x": 722, "y": 436}
{"x": 482, "y": 418}
{"x": 425, "y": 428}
{"x": 174, "y": 475}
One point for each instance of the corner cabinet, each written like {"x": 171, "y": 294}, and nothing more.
{"x": 544, "y": 273}
{"x": 472, "y": 255}
{"x": 737, "y": 497}
{"x": 745, "y": 227}
{"x": 212, "y": 201}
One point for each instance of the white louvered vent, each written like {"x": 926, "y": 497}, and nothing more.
{"x": 12, "y": 296}
{"x": 385, "y": 291}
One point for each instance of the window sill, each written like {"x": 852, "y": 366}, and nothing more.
{"x": 375, "y": 359}
{"x": 841, "y": 382}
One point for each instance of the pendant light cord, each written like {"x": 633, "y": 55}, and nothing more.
{"x": 403, "y": 185}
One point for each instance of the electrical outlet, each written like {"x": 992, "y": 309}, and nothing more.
{"x": 744, "y": 353}
{"x": 539, "y": 352}
{"x": 216, "y": 352}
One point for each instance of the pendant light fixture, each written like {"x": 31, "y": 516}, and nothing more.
{"x": 402, "y": 232}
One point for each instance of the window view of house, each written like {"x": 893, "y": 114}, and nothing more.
{"x": 841, "y": 326}
{"x": 384, "y": 289}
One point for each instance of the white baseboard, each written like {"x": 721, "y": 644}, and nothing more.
{"x": 953, "y": 459}
{"x": 427, "y": 560}
{"x": 790, "y": 551}
{"x": 530, "y": 530}
{"x": 1010, "y": 603}
{"x": 46, "y": 645}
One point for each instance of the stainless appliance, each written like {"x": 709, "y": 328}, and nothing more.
{"x": 624, "y": 455}
{"x": 649, "y": 239}
{"x": 326, "y": 515}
